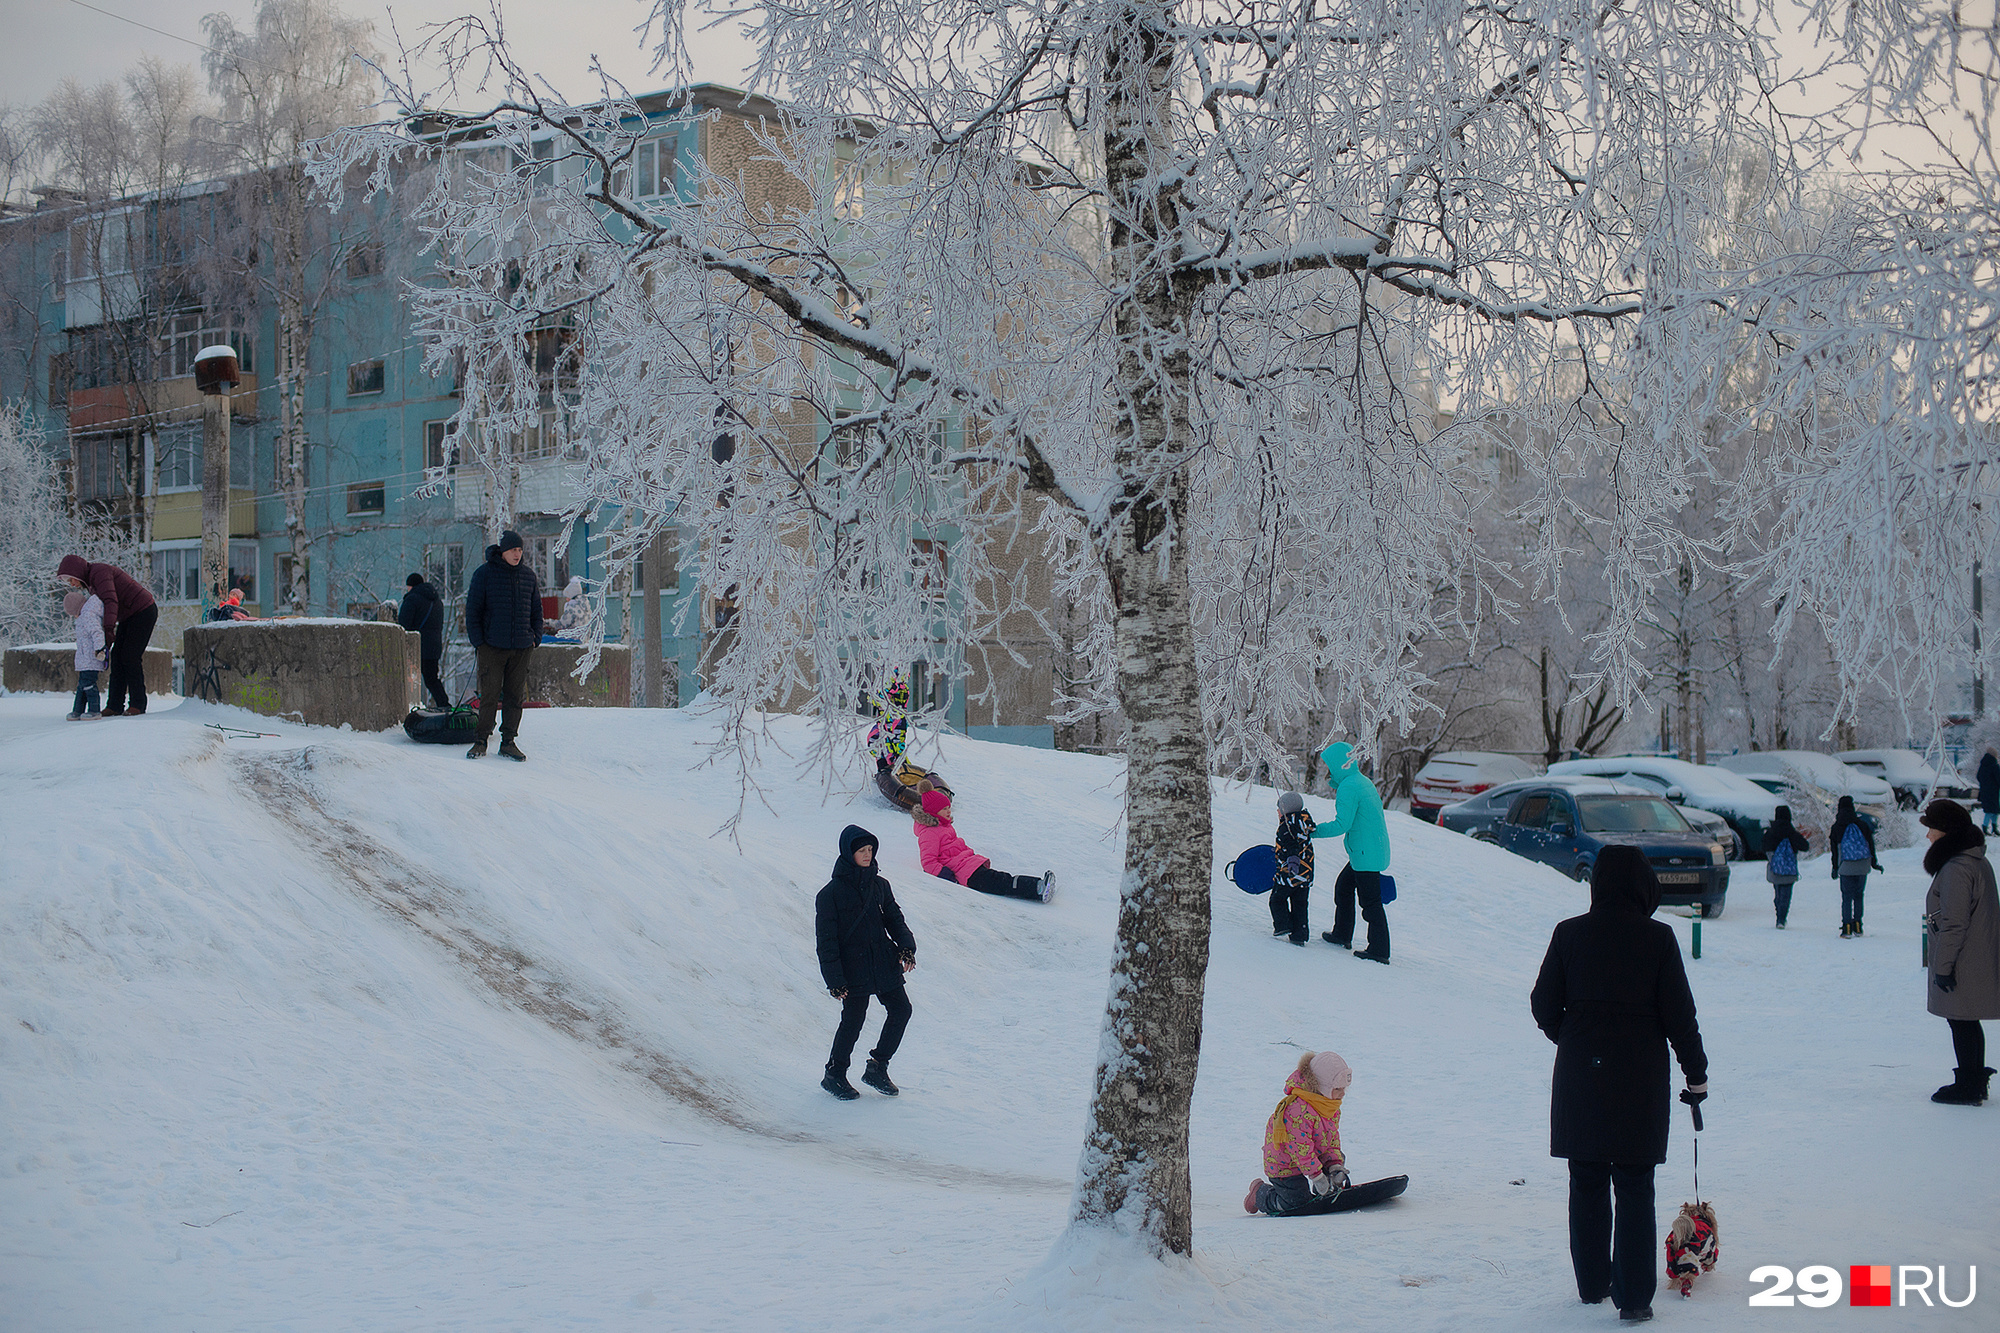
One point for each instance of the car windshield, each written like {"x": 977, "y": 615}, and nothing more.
{"x": 1629, "y": 814}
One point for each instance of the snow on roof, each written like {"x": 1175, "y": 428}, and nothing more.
{"x": 1703, "y": 785}
{"x": 1822, "y": 770}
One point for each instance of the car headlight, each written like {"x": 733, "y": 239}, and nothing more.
{"x": 1716, "y": 855}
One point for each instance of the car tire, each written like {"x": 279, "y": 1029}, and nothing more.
{"x": 1581, "y": 874}
{"x": 1485, "y": 837}
{"x": 1712, "y": 908}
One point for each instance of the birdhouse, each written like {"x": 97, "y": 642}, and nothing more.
{"x": 215, "y": 369}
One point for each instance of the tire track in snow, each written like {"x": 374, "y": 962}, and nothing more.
{"x": 437, "y": 910}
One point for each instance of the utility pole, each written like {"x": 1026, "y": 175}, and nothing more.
{"x": 215, "y": 374}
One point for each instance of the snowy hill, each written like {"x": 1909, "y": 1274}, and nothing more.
{"x": 332, "y": 1031}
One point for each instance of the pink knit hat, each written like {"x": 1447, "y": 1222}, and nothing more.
{"x": 936, "y": 803}
{"x": 73, "y": 603}
{"x": 1331, "y": 1073}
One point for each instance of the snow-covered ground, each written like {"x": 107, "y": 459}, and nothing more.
{"x": 331, "y": 1031}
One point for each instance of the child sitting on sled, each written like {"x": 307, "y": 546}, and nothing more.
{"x": 1302, "y": 1139}
{"x": 945, "y": 854}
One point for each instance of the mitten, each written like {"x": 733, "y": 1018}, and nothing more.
{"x": 1948, "y": 981}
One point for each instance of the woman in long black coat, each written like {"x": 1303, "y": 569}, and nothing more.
{"x": 865, "y": 947}
{"x": 1612, "y": 995}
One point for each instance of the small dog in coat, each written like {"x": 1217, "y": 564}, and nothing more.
{"x": 1692, "y": 1245}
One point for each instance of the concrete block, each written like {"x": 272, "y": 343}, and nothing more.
{"x": 51, "y": 668}
{"x": 552, "y": 677}
{"x": 319, "y": 671}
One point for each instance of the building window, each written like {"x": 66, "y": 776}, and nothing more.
{"x": 851, "y": 443}
{"x": 102, "y": 246}
{"x": 177, "y": 573}
{"x": 177, "y": 454}
{"x": 243, "y": 569}
{"x": 931, "y": 563}
{"x": 364, "y": 377}
{"x": 440, "y": 446}
{"x": 550, "y": 562}
{"x": 282, "y": 567}
{"x": 188, "y": 332}
{"x": 365, "y": 261}
{"x": 652, "y": 173}
{"x": 100, "y": 467}
{"x": 444, "y": 566}
{"x": 366, "y": 497}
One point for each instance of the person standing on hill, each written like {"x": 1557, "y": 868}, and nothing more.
{"x": 1613, "y": 995}
{"x": 1989, "y": 791}
{"x": 503, "y": 618}
{"x": 1357, "y": 816}
{"x": 423, "y": 613}
{"x": 130, "y": 613}
{"x": 1782, "y": 845}
{"x": 1292, "y": 885}
{"x": 1850, "y": 845}
{"x": 865, "y": 948}
{"x": 1962, "y": 938}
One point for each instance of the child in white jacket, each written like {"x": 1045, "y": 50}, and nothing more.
{"x": 89, "y": 613}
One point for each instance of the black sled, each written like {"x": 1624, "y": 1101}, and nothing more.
{"x": 1354, "y": 1196}
{"x": 899, "y": 786}
{"x": 428, "y": 727}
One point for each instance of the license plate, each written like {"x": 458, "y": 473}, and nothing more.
{"x": 1678, "y": 877}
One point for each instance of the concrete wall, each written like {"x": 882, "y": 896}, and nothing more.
{"x": 51, "y": 667}
{"x": 552, "y": 679}
{"x": 321, "y": 672}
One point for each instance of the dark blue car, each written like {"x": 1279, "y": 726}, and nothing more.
{"x": 1567, "y": 830}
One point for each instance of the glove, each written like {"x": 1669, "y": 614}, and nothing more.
{"x": 1948, "y": 982}
{"x": 1695, "y": 1094}
{"x": 1294, "y": 866}
{"x": 1321, "y": 1185}
{"x": 840, "y": 994}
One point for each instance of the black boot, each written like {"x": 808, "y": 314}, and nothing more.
{"x": 876, "y": 1075}
{"x": 1967, "y": 1088}
{"x": 836, "y": 1083}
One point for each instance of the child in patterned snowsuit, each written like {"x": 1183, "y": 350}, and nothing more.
{"x": 1302, "y": 1153}
{"x": 1293, "y": 881}
{"x": 890, "y": 733}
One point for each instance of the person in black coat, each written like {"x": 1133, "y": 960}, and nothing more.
{"x": 503, "y": 618}
{"x": 1612, "y": 995}
{"x": 865, "y": 947}
{"x": 1988, "y": 775}
{"x": 423, "y": 613}
{"x": 1781, "y": 867}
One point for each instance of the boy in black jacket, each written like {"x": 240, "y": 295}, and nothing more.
{"x": 1293, "y": 882}
{"x": 865, "y": 947}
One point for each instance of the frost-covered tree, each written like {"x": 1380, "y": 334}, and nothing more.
{"x": 38, "y": 527}
{"x": 1171, "y": 292}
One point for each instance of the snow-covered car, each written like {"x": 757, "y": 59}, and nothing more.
{"x": 1716, "y": 827}
{"x": 1549, "y": 823}
{"x": 1775, "y": 770}
{"x": 1747, "y": 806}
{"x": 1451, "y": 777}
{"x": 1479, "y": 816}
{"x": 1914, "y": 780}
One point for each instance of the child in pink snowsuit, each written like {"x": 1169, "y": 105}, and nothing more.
{"x": 88, "y": 612}
{"x": 1302, "y": 1139}
{"x": 945, "y": 854}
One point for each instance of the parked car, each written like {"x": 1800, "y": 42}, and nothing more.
{"x": 1567, "y": 830}
{"x": 1450, "y": 778}
{"x": 1747, "y": 806}
{"x": 1480, "y": 816}
{"x": 1776, "y": 770}
{"x": 1913, "y": 779}
{"x": 1714, "y": 826}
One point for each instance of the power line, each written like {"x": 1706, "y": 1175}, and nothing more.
{"x": 201, "y": 46}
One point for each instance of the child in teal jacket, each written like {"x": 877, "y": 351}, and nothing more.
{"x": 1357, "y": 816}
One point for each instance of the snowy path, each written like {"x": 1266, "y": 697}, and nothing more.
{"x": 330, "y": 1031}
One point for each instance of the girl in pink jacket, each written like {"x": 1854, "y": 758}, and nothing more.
{"x": 945, "y": 854}
{"x": 1302, "y": 1139}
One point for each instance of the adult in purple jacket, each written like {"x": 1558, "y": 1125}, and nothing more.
{"x": 130, "y": 613}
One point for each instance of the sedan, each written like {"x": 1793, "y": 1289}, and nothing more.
{"x": 1567, "y": 830}
{"x": 1481, "y": 816}
{"x": 1449, "y": 778}
{"x": 1914, "y": 780}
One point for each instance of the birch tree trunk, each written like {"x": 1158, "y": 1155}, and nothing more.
{"x": 292, "y": 345}
{"x": 1134, "y": 1174}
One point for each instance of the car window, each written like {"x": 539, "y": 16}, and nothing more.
{"x": 1558, "y": 813}
{"x": 1530, "y": 810}
{"x": 1646, "y": 780}
{"x": 1630, "y": 814}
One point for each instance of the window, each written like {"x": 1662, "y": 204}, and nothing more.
{"x": 931, "y": 562}
{"x": 652, "y": 173}
{"x": 852, "y": 443}
{"x": 440, "y": 446}
{"x": 366, "y": 497}
{"x": 444, "y": 566}
{"x": 177, "y": 573}
{"x": 243, "y": 569}
{"x": 177, "y": 456}
{"x": 191, "y": 330}
{"x": 550, "y": 562}
{"x": 365, "y": 261}
{"x": 282, "y": 568}
{"x": 930, "y": 688}
{"x": 1528, "y": 814}
{"x": 364, "y": 377}
{"x": 1630, "y": 814}
{"x": 100, "y": 467}
{"x": 101, "y": 246}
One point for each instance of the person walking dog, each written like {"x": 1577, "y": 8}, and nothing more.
{"x": 865, "y": 948}
{"x": 503, "y": 618}
{"x": 1613, "y": 995}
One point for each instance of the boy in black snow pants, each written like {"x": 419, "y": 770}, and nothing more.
{"x": 1293, "y": 881}
{"x": 865, "y": 947}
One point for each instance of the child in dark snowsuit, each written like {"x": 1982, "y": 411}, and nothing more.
{"x": 1293, "y": 882}
{"x": 1302, "y": 1139}
{"x": 1782, "y": 845}
{"x": 865, "y": 947}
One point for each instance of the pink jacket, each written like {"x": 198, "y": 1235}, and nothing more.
{"x": 1313, "y": 1145}
{"x": 941, "y": 849}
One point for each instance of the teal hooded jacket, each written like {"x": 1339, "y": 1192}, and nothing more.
{"x": 1357, "y": 811}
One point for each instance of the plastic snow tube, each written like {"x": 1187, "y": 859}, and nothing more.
{"x": 427, "y": 727}
{"x": 899, "y": 787}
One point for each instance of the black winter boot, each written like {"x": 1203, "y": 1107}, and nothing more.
{"x": 836, "y": 1083}
{"x": 1967, "y": 1088}
{"x": 876, "y": 1075}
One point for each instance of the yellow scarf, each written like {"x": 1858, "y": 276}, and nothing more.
{"x": 1328, "y": 1107}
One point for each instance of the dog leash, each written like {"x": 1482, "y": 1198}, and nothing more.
{"x": 1694, "y": 1109}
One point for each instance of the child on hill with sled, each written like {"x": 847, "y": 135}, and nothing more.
{"x": 945, "y": 854}
{"x": 1293, "y": 881}
{"x": 1302, "y": 1153}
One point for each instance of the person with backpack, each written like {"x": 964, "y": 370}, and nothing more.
{"x": 1782, "y": 845}
{"x": 423, "y": 612}
{"x": 865, "y": 947}
{"x": 1852, "y": 847}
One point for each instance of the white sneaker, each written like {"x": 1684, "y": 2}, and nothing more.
{"x": 1048, "y": 889}
{"x": 74, "y": 717}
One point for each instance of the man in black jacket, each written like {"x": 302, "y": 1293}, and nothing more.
{"x": 503, "y": 618}
{"x": 1612, "y": 995}
{"x": 423, "y": 612}
{"x": 865, "y": 947}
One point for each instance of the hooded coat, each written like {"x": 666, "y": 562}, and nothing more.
{"x": 1613, "y": 995}
{"x": 1310, "y": 1142}
{"x": 1843, "y": 816}
{"x": 90, "y": 640}
{"x": 503, "y": 607}
{"x": 1357, "y": 811}
{"x": 1989, "y": 782}
{"x": 423, "y": 611}
{"x": 861, "y": 933}
{"x": 1782, "y": 832}
{"x": 940, "y": 848}
{"x": 1962, "y": 918}
{"x": 121, "y": 594}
